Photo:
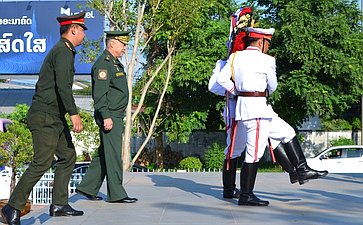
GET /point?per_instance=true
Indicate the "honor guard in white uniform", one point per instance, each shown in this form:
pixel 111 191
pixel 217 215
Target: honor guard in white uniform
pixel 235 141
pixel 255 78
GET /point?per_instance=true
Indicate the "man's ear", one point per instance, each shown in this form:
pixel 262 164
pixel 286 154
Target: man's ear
pixel 74 29
pixel 260 43
pixel 112 44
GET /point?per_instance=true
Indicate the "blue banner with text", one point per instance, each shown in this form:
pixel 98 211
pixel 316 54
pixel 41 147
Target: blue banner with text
pixel 28 30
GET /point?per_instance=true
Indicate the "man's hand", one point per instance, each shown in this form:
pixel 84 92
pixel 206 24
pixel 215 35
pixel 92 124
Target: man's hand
pixel 77 123
pixel 107 124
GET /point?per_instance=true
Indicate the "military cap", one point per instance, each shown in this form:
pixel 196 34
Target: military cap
pixel 122 36
pixel 73 19
pixel 260 33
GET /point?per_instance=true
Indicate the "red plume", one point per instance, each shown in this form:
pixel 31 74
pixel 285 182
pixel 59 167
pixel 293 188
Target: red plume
pixel 245 10
pixel 240 42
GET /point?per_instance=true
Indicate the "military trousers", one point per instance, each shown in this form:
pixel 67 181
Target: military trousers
pixel 107 163
pixel 51 137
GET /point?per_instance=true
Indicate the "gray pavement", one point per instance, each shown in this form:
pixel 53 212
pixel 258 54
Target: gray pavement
pixel 196 199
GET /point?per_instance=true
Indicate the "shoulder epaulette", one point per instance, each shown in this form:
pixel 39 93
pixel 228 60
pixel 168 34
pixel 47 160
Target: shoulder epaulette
pixel 68 46
pixel 107 58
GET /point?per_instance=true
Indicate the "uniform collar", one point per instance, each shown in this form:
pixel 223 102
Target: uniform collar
pixel 69 45
pixel 253 48
pixel 111 57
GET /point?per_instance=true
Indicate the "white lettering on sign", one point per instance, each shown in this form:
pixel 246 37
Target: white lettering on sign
pixel 18 45
pixel 16 21
pixel 88 15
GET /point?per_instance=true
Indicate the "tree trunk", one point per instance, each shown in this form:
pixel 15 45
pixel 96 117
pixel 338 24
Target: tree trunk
pixel 159 151
pixel 13 177
pixel 126 148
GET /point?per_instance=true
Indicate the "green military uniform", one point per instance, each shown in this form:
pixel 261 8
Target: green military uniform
pixel 110 95
pixel 52 100
pixel 50 133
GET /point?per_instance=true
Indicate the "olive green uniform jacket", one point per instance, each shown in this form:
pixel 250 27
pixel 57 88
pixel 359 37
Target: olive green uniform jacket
pixel 52 100
pixel 110 94
pixel 54 87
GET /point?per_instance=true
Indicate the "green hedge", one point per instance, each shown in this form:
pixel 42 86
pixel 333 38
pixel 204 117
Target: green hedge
pixel 190 163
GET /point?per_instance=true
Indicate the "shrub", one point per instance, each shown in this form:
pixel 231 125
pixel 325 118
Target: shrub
pixel 89 139
pixel 190 163
pixel 342 141
pixel 356 124
pixel 214 156
pixel 337 124
pixel 19 114
pixel 16 149
pixel 152 166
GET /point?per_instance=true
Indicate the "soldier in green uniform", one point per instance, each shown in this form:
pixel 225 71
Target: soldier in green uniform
pixel 50 133
pixel 110 94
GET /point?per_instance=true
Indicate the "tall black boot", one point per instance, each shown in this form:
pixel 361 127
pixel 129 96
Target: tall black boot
pixel 229 179
pixel 248 177
pixel 297 158
pixel 285 163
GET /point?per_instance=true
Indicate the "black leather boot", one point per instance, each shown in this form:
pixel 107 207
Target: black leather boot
pixel 297 158
pixel 10 215
pixel 63 210
pixel 248 177
pixel 229 179
pixel 285 163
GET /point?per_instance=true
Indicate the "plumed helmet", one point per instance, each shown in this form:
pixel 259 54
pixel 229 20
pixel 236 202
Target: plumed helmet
pixel 241 20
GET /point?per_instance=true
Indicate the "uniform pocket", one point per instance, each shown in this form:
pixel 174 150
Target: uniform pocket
pixel 35 119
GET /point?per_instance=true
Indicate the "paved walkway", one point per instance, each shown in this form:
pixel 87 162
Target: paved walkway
pixel 195 199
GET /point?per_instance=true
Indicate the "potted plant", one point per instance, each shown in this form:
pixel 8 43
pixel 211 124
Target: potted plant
pixel 16 148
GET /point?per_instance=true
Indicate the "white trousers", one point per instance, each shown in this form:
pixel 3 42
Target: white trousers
pixel 259 130
pixel 239 134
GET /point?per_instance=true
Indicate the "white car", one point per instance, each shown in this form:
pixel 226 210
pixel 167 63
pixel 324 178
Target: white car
pixel 339 159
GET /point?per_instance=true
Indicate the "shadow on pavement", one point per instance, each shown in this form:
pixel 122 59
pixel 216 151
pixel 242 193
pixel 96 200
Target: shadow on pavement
pixel 186 185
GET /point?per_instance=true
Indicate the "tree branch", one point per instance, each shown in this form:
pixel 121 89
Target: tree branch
pixel 158 107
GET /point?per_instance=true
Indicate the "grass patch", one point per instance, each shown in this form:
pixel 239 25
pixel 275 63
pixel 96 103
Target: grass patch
pixel 269 167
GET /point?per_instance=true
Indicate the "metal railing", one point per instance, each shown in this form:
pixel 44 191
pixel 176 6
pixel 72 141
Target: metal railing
pixel 42 191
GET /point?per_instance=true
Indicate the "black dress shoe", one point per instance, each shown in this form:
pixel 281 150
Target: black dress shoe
pixel 90 197
pixel 63 210
pixel 251 200
pixel 10 215
pixel 126 200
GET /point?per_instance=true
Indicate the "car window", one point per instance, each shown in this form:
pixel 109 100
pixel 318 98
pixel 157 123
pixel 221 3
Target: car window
pixel 351 153
pixel 336 153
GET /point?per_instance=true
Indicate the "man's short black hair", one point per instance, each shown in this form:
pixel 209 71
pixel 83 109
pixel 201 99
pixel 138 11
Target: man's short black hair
pixel 250 40
pixel 64 29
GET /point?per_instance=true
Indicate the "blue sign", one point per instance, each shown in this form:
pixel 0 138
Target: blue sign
pixel 28 30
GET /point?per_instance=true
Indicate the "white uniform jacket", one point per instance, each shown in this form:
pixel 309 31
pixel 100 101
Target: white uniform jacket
pixel 213 86
pixel 253 71
pixel 216 88
pixel 228 113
